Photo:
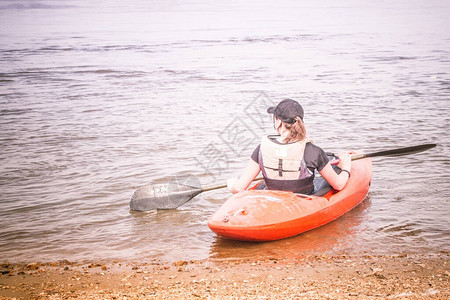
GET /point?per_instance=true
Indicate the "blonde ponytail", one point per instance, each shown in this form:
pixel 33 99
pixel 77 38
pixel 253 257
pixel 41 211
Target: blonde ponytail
pixel 297 131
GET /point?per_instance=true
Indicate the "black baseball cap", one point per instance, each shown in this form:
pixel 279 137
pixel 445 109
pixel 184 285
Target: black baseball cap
pixel 287 110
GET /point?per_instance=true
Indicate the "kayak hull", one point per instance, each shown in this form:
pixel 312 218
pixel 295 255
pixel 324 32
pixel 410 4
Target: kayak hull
pixel 267 215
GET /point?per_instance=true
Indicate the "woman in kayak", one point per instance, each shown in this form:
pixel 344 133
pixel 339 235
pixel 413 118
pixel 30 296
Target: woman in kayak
pixel 288 160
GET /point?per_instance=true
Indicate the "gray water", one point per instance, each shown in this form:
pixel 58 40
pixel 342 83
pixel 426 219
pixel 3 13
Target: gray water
pixel 98 98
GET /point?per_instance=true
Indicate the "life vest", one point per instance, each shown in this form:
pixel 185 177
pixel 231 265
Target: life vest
pixel 283 165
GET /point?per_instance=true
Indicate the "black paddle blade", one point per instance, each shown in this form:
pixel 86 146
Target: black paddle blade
pixel 160 196
pixel 402 151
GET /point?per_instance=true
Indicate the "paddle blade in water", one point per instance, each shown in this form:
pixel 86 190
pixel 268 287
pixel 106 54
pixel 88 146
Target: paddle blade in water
pixel 159 196
pixel 167 195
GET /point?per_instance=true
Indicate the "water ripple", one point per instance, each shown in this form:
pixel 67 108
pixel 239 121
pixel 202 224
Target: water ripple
pixel 91 111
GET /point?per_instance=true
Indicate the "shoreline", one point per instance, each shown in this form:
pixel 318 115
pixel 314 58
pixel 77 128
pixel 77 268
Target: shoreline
pixel 412 276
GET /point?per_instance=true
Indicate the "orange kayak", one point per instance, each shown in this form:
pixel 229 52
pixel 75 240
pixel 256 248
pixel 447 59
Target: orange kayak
pixel 267 215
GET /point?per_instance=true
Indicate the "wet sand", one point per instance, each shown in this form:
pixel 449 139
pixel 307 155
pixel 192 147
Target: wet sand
pixel 409 276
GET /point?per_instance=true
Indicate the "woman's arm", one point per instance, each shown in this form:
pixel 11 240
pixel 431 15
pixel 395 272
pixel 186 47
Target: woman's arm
pixel 338 181
pixel 240 183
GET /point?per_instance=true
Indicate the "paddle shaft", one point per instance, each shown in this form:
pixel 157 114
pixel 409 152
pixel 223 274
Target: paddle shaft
pixel 219 186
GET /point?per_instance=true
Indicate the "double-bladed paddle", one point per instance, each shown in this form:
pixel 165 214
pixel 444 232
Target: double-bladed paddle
pixel 177 192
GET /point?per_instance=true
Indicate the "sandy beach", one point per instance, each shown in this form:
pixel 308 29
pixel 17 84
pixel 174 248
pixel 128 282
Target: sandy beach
pixel 410 276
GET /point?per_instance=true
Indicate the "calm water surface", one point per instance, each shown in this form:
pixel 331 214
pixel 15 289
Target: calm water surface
pixel 100 98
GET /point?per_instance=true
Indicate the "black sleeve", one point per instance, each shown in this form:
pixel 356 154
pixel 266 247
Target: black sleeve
pixel 315 157
pixel 255 154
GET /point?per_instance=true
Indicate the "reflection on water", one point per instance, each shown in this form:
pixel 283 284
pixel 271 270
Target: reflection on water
pixel 333 237
pixel 97 100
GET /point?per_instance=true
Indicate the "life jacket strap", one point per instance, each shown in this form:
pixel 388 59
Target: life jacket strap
pixel 280 167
